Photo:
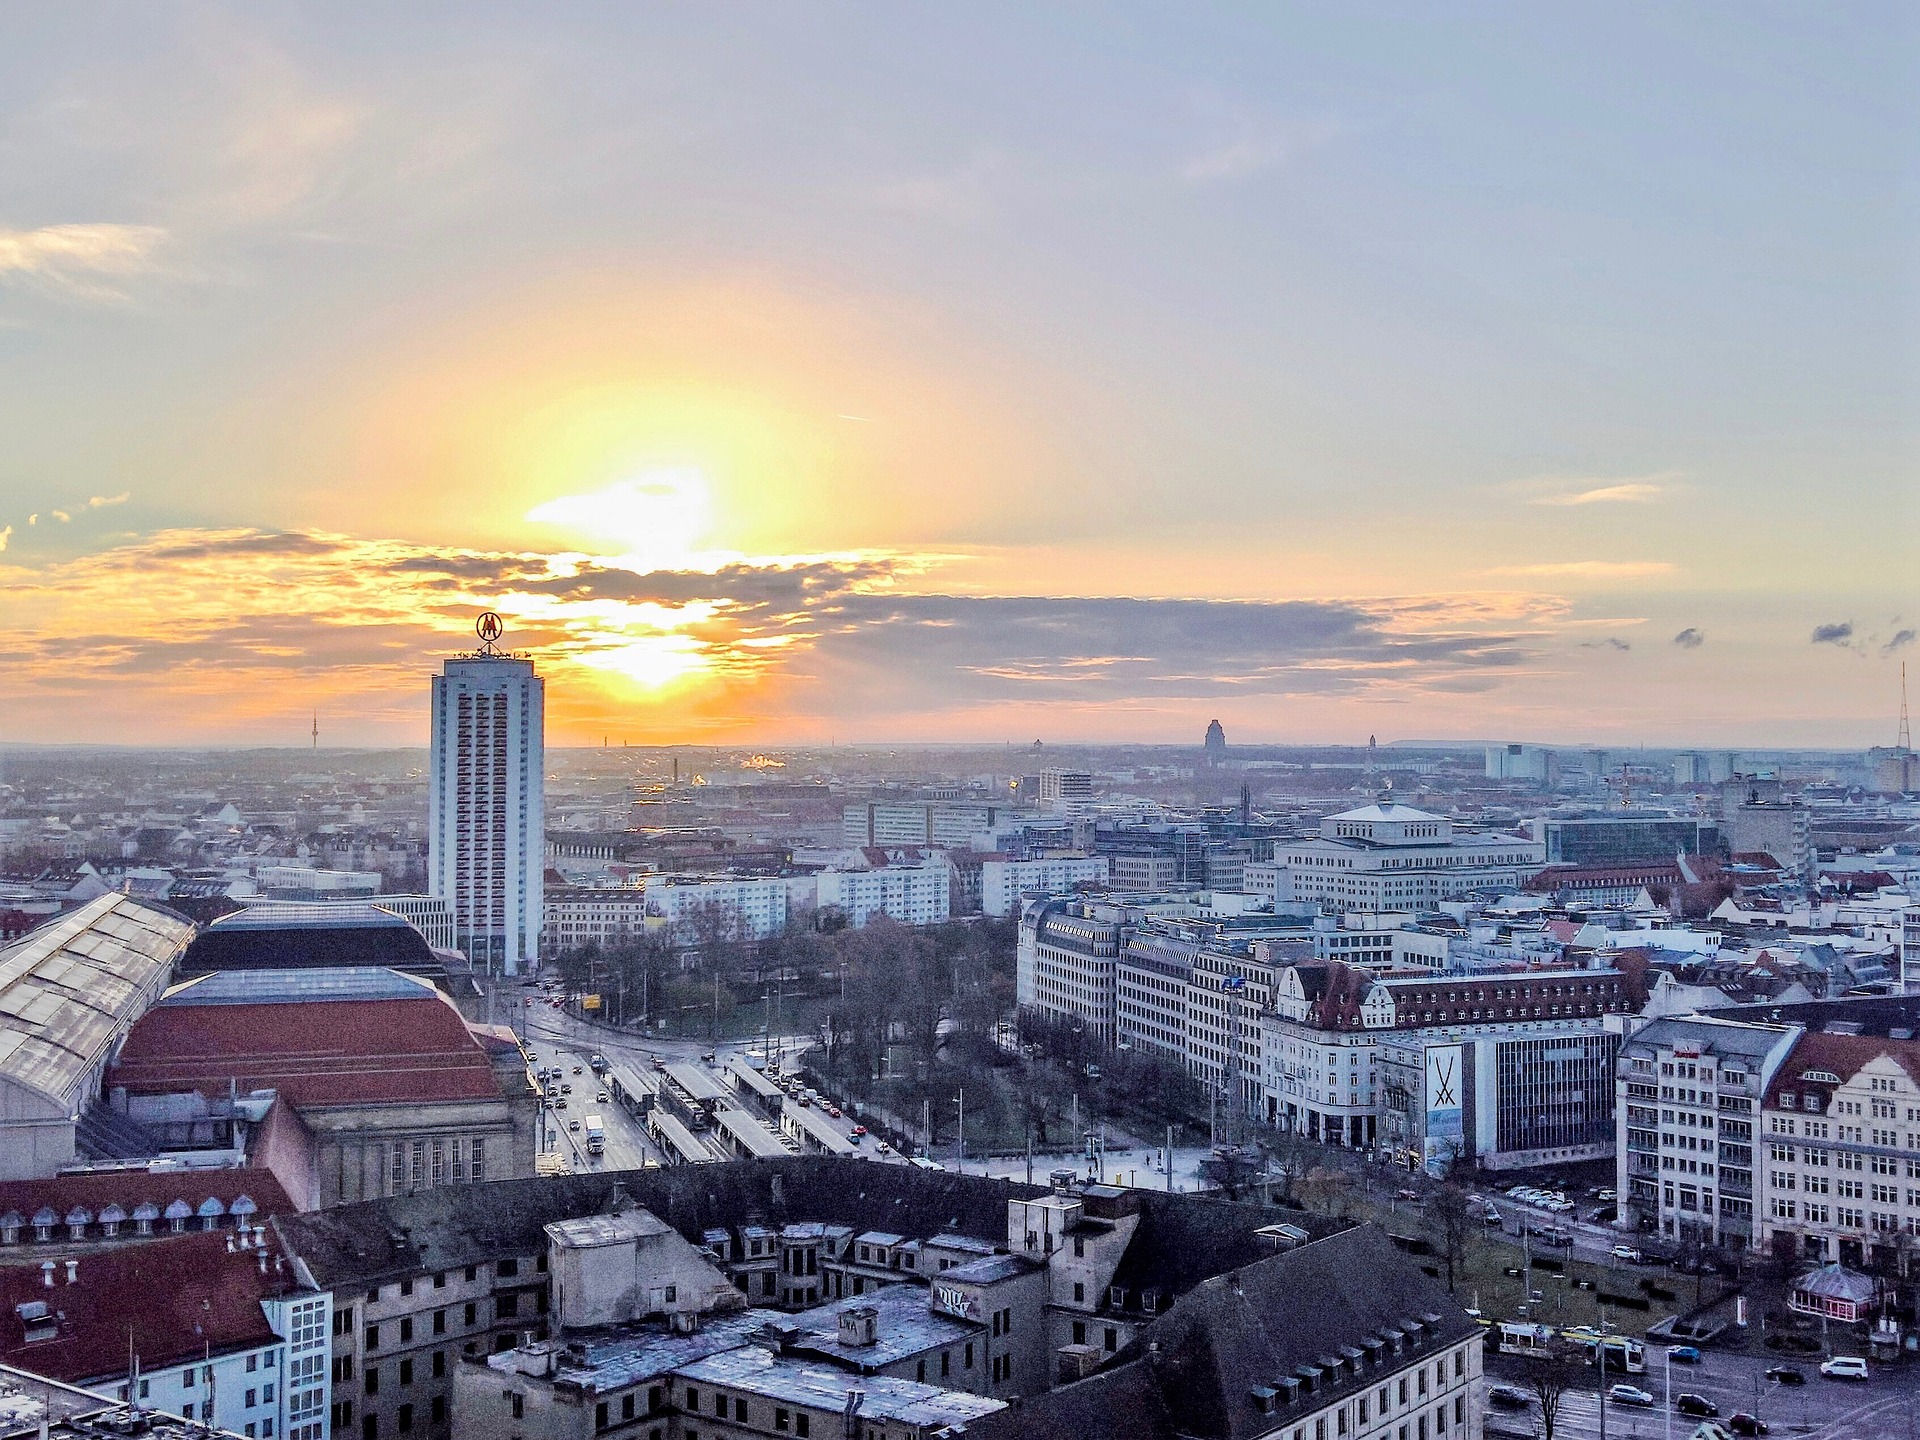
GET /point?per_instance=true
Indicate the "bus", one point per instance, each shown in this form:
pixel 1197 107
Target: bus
pixel 1625 1355
pixel 1518 1337
pixel 596 1135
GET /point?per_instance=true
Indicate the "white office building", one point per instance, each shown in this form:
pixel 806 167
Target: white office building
pixel 913 894
pixel 486 808
pixel 698 908
pixel 1393 857
pixel 1003 881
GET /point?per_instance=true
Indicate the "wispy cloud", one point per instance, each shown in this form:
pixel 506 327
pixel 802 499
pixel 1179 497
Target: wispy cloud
pixel 1590 569
pixel 1630 492
pixel 81 262
pixel 101 502
pixel 6 535
pixel 1900 641
pixel 1691 638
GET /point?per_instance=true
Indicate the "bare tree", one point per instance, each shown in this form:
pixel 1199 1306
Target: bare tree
pixel 1549 1378
pixel 1327 1189
pixel 1451 1217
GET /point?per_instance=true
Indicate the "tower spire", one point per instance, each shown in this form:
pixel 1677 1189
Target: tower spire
pixel 316 729
pixel 1906 729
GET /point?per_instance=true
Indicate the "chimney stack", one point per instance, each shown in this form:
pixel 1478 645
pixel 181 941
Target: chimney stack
pixel 46 1273
pixel 73 1271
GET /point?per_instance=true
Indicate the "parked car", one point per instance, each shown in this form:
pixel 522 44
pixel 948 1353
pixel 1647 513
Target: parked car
pixel 1492 1217
pixel 573 1124
pixel 1629 1395
pixel 1684 1354
pixel 857 1131
pixel 834 1111
pixel 1845 1367
pixel 1626 1253
pixel 1787 1375
pixel 1604 1193
pixel 601 1098
pixel 883 1147
pixel 1698 1406
pixel 1742 1423
pixel 707 1056
pixel 1406 1194
pixel 576 1069
pixel 566 1089
pixel 1509 1397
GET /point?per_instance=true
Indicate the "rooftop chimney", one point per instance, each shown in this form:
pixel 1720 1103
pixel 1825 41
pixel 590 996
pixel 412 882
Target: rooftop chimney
pixel 46 1273
pixel 73 1271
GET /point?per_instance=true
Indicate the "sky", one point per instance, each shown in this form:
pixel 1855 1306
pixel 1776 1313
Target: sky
pixel 790 373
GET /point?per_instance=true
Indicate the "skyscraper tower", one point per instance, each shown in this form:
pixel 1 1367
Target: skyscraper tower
pixel 486 832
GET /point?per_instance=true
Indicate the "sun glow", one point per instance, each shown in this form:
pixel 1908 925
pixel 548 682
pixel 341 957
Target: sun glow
pixel 653 521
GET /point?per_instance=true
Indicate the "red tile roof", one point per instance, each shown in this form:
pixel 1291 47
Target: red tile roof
pixel 169 1301
pixel 320 1053
pixel 1841 1055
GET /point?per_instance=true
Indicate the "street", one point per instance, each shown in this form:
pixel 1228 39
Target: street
pixel 1882 1408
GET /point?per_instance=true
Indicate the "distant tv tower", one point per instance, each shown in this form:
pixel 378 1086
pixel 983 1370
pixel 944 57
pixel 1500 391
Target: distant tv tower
pixel 1906 729
pixel 316 729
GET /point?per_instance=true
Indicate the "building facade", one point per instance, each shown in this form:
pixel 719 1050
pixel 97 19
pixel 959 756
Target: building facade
pixel 486 805
pixel 1393 857
pixel 1004 880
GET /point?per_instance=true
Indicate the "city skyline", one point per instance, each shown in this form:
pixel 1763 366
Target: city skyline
pixel 969 377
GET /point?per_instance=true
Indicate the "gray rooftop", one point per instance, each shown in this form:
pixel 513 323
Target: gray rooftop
pixel 282 987
pixel 816 1386
pixel 906 1327
pixel 619 1356
pixel 1718 1036
pixel 69 990
pixel 992 1269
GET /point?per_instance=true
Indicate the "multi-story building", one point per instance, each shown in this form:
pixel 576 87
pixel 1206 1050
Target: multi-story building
pixel 912 891
pixel 1393 857
pixel 1622 839
pixel 698 908
pixel 1230 987
pixel 1004 880
pixel 1760 817
pixel 920 822
pixel 1143 872
pixel 578 917
pixel 1151 977
pixel 222 1329
pixel 1841 1123
pixel 486 838
pixel 1068 790
pixel 1688 1100
pixel 1064 962
pixel 431 916
pixel 1471 1054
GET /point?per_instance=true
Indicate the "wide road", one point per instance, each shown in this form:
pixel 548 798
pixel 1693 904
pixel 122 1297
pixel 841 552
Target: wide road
pixel 1881 1408
pixel 558 1038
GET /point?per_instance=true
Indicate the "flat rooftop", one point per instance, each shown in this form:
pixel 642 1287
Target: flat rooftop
pixel 798 1383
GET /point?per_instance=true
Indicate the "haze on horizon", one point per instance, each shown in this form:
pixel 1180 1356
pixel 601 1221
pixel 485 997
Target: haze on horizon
pixel 968 373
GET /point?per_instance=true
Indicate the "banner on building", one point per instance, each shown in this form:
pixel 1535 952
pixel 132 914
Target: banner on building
pixel 1445 1131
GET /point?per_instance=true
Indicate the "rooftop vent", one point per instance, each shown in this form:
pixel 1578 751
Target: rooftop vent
pixel 1843 1027
pixel 859 1325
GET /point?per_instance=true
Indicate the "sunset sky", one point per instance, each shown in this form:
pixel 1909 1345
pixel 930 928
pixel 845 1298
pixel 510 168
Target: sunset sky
pixel 877 372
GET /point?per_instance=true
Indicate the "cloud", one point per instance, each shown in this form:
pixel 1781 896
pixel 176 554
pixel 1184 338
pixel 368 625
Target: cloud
pixel 1839 634
pixel 1612 642
pixel 1690 638
pixel 101 502
pixel 1900 641
pixel 1633 492
pixel 81 262
pixel 62 516
pixel 193 621
pixel 6 534
pixel 1590 569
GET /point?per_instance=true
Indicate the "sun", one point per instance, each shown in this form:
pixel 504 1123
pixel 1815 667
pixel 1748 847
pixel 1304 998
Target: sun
pixel 651 521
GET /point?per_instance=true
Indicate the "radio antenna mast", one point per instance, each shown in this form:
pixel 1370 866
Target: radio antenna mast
pixel 1906 729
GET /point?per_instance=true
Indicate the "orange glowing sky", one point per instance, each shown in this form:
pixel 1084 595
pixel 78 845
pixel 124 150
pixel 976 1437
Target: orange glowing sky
pixel 834 377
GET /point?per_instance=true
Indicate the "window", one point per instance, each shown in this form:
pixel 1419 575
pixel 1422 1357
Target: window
pixel 373 1380
pixel 739 1410
pixel 693 1401
pixel 439 1364
pixel 782 1420
pixel 405 1421
pixel 406 1372
pixel 372 1337
pixel 516 1404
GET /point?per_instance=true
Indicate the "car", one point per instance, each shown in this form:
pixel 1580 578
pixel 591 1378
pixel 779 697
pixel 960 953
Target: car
pixel 857 1131
pixel 559 1102
pixel 1845 1367
pixel 853 1139
pixel 1698 1406
pixel 527 1001
pixel 1629 1395
pixel 601 1098
pixel 1626 1253
pixel 576 1069
pixel 1605 1193
pixel 1492 1217
pixel 1684 1354
pixel 834 1111
pixel 707 1056
pixel 1518 1192
pixel 573 1124
pixel 1509 1397
pixel 566 1089
pixel 882 1147
pixel 658 1063
pixel 1787 1375
pixel 1741 1423
pixel 1406 1194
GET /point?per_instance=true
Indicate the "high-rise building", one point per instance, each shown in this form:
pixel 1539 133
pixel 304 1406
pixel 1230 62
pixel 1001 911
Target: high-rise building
pixel 486 805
